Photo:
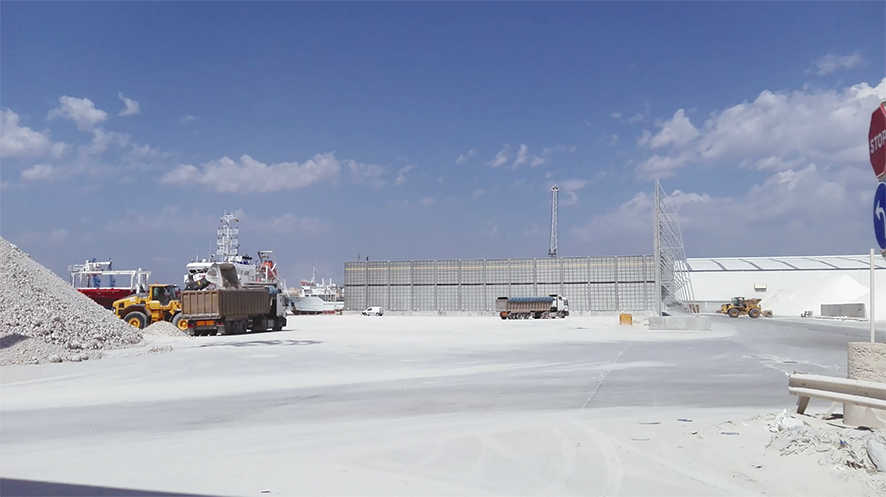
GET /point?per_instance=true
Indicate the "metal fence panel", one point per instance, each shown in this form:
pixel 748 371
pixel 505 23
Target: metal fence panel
pixel 589 283
pixel 400 273
pixel 377 272
pixel 547 270
pixel 423 298
pixel 472 298
pixel 354 298
pixel 424 272
pixel 575 269
pixel 602 297
pixel 401 297
pixel 472 271
pixel 447 271
pixel 498 271
pixel 577 295
pixel 355 273
pixel 447 298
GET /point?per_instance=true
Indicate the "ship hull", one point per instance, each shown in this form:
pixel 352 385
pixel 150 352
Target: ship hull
pixel 105 297
pixel 315 305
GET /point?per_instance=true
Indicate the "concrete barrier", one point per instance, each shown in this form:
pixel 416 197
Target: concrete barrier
pixel 680 323
pixel 867 362
pixel 841 310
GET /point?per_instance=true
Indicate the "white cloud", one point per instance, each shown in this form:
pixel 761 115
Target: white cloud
pixel 131 107
pixel 187 118
pixel 478 193
pixel 428 201
pixel 522 155
pixel 615 115
pixel 102 140
pixel 613 139
pixel 677 131
pixel 290 223
pixel 829 63
pixel 569 190
pixel 401 174
pixel 462 158
pixel 502 157
pixel 80 110
pixel 21 141
pixel 38 172
pixel 775 130
pixel 788 209
pixel 248 175
pixel 364 173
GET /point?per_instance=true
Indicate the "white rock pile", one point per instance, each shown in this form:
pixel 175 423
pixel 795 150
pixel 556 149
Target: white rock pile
pixel 840 447
pixel 44 319
pixel 164 328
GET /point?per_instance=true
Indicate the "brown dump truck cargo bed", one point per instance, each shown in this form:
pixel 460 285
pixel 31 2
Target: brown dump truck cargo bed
pixel 230 303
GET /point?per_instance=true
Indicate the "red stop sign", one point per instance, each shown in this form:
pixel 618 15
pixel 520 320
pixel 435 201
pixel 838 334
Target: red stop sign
pixel 877 141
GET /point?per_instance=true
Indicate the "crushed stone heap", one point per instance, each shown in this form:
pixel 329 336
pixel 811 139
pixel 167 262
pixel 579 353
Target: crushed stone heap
pixel 44 319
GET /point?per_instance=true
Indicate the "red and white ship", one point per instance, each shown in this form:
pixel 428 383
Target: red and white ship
pixel 100 282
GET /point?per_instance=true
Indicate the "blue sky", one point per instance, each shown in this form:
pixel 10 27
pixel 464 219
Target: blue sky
pixel 434 130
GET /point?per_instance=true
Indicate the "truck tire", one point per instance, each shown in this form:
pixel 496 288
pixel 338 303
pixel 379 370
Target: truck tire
pixel 279 322
pixel 754 313
pixel 137 319
pixel 733 312
pixel 179 322
pixel 259 324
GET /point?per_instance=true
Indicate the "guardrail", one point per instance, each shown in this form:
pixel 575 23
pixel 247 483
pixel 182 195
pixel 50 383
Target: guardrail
pixel 858 392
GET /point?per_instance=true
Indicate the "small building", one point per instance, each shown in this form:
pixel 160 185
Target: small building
pixel 790 285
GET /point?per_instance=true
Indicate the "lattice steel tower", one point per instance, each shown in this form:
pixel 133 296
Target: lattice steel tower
pixel 227 245
pixel 552 250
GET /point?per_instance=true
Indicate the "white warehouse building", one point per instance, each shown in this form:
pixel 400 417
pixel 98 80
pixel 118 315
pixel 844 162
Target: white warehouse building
pixel 790 285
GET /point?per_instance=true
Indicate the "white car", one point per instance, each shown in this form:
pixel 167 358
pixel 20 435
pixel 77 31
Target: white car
pixel 373 311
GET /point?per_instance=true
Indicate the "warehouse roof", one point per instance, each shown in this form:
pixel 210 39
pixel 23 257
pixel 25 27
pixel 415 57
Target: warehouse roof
pixel 784 263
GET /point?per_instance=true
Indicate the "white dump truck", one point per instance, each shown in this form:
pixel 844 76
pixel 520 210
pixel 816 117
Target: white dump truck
pixel 552 306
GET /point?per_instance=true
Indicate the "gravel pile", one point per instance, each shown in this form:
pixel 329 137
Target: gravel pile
pixel 44 319
pixel 164 328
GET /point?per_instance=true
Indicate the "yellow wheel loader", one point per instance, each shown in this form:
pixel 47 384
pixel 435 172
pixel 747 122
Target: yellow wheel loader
pixel 160 303
pixel 741 306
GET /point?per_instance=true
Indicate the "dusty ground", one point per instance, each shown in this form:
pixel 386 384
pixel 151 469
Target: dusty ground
pixel 404 405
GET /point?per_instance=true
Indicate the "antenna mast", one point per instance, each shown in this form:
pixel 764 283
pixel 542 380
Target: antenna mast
pixel 227 238
pixel 552 250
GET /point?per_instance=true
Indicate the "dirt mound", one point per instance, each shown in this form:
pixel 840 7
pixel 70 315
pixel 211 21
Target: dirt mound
pixel 44 318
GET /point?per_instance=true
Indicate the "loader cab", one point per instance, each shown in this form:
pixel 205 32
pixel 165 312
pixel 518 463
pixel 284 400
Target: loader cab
pixel 164 293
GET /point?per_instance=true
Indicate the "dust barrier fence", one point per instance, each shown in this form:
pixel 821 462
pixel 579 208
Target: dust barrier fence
pixel 610 283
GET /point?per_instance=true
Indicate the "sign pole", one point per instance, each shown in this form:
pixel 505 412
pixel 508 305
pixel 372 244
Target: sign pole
pixel 873 329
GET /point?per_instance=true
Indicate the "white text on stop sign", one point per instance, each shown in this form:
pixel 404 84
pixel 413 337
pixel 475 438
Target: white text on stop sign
pixel 877 141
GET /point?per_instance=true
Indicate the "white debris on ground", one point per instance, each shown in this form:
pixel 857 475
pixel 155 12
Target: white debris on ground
pixel 164 328
pixel 840 447
pixel 45 319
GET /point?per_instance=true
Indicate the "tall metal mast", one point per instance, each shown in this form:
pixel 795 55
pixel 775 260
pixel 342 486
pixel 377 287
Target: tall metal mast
pixel 227 245
pixel 552 250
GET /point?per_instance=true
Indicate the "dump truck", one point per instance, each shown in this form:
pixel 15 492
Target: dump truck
pixel 159 303
pixel 552 306
pixel 741 306
pixel 226 311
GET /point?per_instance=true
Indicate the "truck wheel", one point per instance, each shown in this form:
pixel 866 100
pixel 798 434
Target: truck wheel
pixel 733 312
pixel 279 322
pixel 754 313
pixel 137 319
pixel 179 322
